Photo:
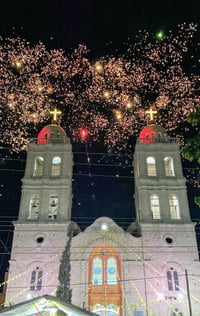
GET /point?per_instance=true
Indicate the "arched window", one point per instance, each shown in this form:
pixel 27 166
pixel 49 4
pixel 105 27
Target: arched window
pixel 56 166
pixel 53 207
pixel 169 167
pixel 173 280
pixel 174 207
pixel 155 206
pixel 38 167
pixel 109 310
pixel 34 207
pixel 36 280
pixel 104 271
pixel 151 166
pixel 97 271
pixel 111 271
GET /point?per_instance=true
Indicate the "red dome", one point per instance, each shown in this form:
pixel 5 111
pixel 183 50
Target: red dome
pixel 52 134
pixel 152 134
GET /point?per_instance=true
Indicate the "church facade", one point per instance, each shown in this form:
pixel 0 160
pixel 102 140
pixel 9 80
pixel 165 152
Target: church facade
pixel 149 270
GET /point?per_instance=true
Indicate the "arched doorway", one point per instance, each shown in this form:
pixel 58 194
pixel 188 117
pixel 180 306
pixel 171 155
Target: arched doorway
pixel 104 272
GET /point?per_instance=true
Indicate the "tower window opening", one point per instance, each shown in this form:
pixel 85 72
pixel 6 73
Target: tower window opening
pixel 38 167
pixel 169 167
pixel 173 280
pixel 56 166
pixel 53 207
pixel 36 280
pixel 34 207
pixel 174 207
pixel 155 206
pixel 151 166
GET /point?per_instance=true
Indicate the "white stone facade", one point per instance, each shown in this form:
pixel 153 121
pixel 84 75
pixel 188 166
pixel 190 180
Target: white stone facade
pixel 157 257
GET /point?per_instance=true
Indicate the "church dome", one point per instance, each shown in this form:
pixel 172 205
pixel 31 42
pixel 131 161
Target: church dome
pixel 52 133
pixel 152 134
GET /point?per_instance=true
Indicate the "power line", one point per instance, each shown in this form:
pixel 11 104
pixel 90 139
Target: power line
pixel 121 280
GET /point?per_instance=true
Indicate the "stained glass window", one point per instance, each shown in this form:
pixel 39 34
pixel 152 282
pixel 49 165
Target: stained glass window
pixel 36 280
pixel 111 271
pixel 97 275
pixel 169 280
pixel 138 313
pixel 173 280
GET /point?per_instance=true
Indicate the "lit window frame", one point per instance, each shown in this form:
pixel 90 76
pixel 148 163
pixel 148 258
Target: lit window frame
pixel 151 166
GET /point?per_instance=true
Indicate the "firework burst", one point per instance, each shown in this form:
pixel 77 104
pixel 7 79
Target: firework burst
pixel 108 98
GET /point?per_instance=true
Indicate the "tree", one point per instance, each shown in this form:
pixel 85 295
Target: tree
pixel 64 292
pixel 191 150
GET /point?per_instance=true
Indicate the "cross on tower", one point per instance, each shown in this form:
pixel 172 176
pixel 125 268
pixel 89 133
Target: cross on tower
pixel 55 113
pixel 151 113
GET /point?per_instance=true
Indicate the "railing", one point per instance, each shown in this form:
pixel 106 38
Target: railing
pixel 158 139
pixel 50 140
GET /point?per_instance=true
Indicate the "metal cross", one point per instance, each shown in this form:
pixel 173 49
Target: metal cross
pixel 55 113
pixel 151 113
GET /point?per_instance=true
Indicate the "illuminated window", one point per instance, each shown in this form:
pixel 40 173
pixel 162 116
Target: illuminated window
pixel 38 167
pixel 97 271
pixel 34 207
pixel 155 206
pixel 169 167
pixel 53 207
pixel 104 272
pixel 111 271
pixel 109 310
pixel 36 280
pixel 173 280
pixel 138 313
pixel 56 166
pixel 151 166
pixel 174 207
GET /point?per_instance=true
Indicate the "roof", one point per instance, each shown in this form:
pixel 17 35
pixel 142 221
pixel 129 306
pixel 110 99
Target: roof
pixel 52 133
pixel 152 134
pixel 42 305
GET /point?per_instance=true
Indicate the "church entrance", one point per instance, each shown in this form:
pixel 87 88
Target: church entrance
pixel 105 292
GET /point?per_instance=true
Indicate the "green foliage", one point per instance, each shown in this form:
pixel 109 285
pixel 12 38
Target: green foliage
pixel 194 117
pixel 191 150
pixel 197 200
pixel 64 292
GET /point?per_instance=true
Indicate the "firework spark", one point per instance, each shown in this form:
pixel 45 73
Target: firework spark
pixel 108 98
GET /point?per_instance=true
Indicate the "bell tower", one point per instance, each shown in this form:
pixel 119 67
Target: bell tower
pixel 40 233
pixel 160 191
pixel 46 190
pixel 167 234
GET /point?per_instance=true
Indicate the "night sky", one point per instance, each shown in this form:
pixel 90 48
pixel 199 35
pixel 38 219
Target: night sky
pixel 103 180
